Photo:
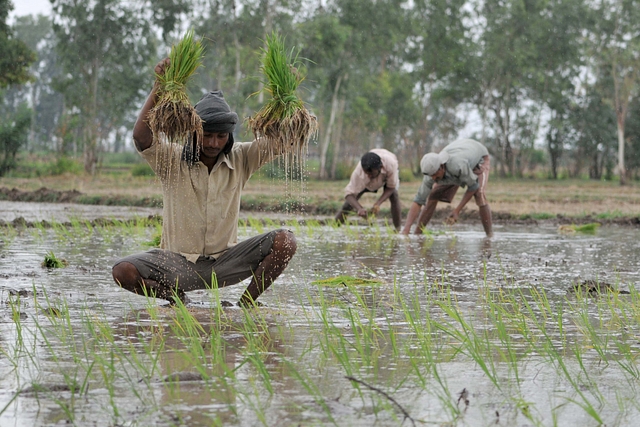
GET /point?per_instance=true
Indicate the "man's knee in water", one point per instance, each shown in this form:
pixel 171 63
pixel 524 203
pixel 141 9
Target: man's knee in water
pixel 285 241
pixel 126 275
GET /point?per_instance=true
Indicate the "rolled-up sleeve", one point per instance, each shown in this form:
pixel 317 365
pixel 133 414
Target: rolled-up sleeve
pixel 163 158
pixel 357 183
pixel 391 169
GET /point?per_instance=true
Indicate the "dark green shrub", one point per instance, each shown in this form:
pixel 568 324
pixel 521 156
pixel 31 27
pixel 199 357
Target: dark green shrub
pixel 65 165
pixel 142 169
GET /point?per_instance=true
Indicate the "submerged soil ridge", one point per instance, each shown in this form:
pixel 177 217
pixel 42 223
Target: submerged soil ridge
pixel 288 210
pixel 48 195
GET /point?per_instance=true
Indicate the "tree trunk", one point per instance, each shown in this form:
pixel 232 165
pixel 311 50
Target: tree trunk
pixel 267 30
pixel 324 147
pixel 505 145
pixel 595 172
pixel 236 42
pixel 621 168
pixel 337 137
pixel 32 127
pixel 554 145
pixel 91 135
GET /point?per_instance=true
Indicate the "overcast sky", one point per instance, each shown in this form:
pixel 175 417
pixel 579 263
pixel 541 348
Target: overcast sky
pixel 30 7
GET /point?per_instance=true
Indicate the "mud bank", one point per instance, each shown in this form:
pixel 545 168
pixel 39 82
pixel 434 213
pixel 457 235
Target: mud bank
pixel 26 207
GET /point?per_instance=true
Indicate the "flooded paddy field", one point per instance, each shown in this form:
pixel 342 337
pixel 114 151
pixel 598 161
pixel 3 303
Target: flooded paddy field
pixel 460 330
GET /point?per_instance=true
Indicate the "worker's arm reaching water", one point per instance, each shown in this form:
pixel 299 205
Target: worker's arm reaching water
pixel 463 163
pixel 377 169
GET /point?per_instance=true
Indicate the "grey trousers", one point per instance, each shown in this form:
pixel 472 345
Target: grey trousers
pixel 172 271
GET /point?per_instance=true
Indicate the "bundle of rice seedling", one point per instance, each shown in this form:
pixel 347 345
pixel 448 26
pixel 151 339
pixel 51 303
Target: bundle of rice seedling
pixel 585 228
pixel 173 115
pixel 284 118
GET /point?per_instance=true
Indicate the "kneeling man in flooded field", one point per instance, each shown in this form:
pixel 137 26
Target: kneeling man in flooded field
pixel 201 184
pixel 464 162
pixel 377 169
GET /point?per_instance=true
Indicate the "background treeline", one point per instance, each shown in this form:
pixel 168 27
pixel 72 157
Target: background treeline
pixel 550 86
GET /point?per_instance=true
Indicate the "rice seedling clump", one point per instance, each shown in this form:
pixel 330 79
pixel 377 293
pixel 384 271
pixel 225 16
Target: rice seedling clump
pixel 173 117
pixel 585 228
pixel 284 118
pixel 52 261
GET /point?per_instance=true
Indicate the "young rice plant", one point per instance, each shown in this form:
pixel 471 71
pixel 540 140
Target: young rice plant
pixel 173 115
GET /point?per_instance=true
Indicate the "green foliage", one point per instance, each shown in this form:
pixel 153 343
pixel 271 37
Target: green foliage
pixel 277 170
pixel 343 171
pixel 589 228
pixel 64 165
pixel 52 261
pixel 15 56
pixel 32 165
pixel 142 169
pixel 406 175
pixel 537 216
pixel 47 104
pixel 13 134
pixel 103 49
pixel 166 14
pixel 122 158
pixel 404 75
pixel 155 240
pixel 594 124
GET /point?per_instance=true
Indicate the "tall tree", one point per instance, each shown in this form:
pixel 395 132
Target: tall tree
pixel 561 51
pixel 234 32
pixel 325 42
pixel 104 48
pixel 15 59
pixel 14 124
pixel 594 122
pixel 512 64
pixel 15 56
pixel 167 15
pixel 632 135
pixel 380 107
pixel 440 52
pixel 616 38
pixel 47 104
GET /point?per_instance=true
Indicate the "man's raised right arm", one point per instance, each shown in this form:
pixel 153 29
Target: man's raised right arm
pixel 142 135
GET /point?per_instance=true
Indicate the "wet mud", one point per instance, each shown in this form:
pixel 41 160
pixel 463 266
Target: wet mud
pixel 294 361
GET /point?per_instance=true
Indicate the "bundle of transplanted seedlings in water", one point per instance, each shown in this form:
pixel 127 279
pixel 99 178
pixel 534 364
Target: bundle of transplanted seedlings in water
pixel 283 119
pixel 173 118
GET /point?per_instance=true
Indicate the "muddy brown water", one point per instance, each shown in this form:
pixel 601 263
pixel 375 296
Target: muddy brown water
pixel 517 257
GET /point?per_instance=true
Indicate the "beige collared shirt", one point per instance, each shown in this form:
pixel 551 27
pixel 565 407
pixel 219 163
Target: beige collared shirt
pixel 388 175
pixel 200 212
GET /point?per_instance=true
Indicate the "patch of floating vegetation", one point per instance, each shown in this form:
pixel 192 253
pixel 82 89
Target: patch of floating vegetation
pixel 52 261
pixel 346 280
pixel 589 228
pixel 155 240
